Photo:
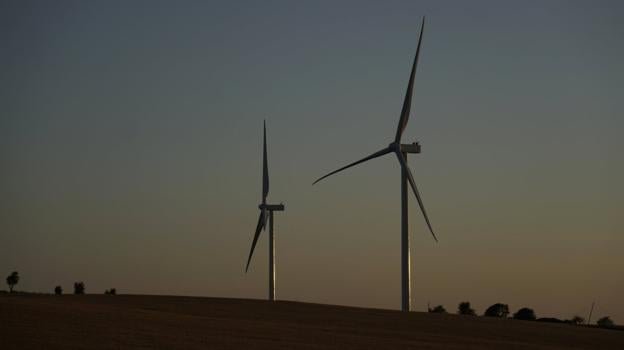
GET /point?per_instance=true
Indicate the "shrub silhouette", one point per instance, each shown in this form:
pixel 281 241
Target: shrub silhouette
pixel 111 291
pixel 605 322
pixel 465 309
pixel 58 290
pixel 497 310
pixel 79 288
pixel 577 320
pixel 525 314
pixel 438 310
pixel 12 280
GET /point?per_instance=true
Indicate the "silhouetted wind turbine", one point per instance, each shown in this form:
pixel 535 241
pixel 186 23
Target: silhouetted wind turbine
pixel 401 151
pixel 266 212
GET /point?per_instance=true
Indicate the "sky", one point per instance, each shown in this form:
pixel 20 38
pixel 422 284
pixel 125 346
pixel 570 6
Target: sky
pixel 131 133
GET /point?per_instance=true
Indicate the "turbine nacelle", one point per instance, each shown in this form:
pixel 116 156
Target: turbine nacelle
pixel 273 207
pixel 413 147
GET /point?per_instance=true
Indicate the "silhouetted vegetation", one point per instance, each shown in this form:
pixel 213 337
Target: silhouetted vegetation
pixel 79 288
pixel 551 320
pixel 58 290
pixel 525 314
pixel 497 310
pixel 438 309
pixel 12 280
pixel 465 309
pixel 577 320
pixel 111 291
pixel 605 322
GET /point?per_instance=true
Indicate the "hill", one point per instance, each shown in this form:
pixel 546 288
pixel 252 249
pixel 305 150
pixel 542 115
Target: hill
pixel 171 322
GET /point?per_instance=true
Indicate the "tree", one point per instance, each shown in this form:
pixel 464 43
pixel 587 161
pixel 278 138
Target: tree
pixel 111 291
pixel 79 288
pixel 577 320
pixel 12 280
pixel 497 310
pixel 465 309
pixel 438 310
pixel 58 290
pixel 525 314
pixel 605 322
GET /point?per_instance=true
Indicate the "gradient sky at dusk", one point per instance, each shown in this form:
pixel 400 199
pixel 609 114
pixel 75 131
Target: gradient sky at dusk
pixel 130 149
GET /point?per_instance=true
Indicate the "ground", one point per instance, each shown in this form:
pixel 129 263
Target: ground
pixel 172 322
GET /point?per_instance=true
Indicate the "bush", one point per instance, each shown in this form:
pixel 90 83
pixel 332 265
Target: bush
pixel 605 322
pixel 79 288
pixel 577 320
pixel 12 280
pixel 465 309
pixel 438 310
pixel 525 314
pixel 58 290
pixel 111 291
pixel 497 310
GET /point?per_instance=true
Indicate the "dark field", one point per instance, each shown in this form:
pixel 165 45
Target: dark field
pixel 163 322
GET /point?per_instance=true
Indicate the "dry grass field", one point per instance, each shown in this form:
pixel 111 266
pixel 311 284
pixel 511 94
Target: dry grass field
pixel 167 322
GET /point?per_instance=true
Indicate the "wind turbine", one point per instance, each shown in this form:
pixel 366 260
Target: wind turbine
pixel 266 213
pixel 401 151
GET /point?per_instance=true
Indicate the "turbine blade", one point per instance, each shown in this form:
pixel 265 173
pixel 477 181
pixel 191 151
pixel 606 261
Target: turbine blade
pixel 259 226
pixel 412 183
pixel 372 156
pixel 407 102
pixel 265 170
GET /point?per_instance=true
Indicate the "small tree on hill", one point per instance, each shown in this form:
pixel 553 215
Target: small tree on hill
pixel 438 310
pixel 12 280
pixel 79 288
pixel 58 290
pixel 525 314
pixel 111 291
pixel 497 310
pixel 577 320
pixel 605 322
pixel 465 309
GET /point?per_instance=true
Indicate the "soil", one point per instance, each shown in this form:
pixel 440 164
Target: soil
pixel 30 321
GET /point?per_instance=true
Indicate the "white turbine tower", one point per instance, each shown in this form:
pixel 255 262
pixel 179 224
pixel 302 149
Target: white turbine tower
pixel 266 213
pixel 401 151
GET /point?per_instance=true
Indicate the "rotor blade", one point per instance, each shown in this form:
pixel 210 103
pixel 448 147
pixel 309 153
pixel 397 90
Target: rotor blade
pixel 261 220
pixel 407 102
pixel 374 155
pixel 410 178
pixel 265 170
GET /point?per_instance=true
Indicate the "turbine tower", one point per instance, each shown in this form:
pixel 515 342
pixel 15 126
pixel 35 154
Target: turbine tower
pixel 266 213
pixel 401 151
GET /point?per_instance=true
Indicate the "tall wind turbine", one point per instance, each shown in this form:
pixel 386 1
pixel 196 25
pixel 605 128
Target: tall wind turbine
pixel 266 213
pixel 401 151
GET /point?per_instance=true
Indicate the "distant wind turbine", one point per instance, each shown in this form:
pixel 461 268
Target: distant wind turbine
pixel 266 213
pixel 401 151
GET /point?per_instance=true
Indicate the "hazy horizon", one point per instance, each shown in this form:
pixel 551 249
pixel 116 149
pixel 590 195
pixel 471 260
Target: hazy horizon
pixel 131 133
